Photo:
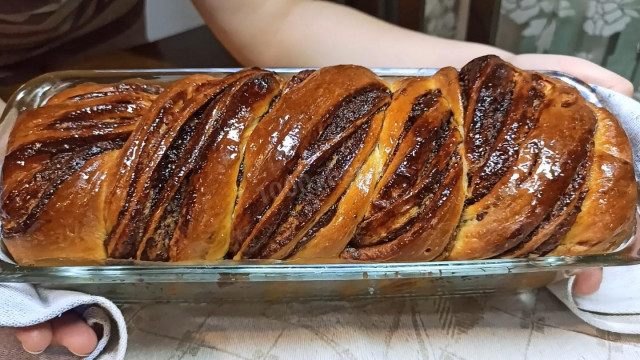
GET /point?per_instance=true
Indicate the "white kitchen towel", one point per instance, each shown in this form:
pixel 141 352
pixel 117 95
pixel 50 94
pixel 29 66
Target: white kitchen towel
pixel 614 307
pixel 24 305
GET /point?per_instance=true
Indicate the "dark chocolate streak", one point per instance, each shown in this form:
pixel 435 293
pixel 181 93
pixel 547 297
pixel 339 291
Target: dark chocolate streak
pixel 489 115
pixel 120 88
pixel 157 246
pixel 323 221
pixel 440 187
pixel 427 184
pixel 347 112
pixel 506 148
pixel 450 242
pixel 342 116
pixel 575 191
pixel 251 91
pixel 469 75
pixel 418 167
pixel 175 164
pixel 85 118
pixel 420 107
pixel 315 189
pixel 160 204
pixel 64 145
pixel 27 200
pixel 84 126
pixel 563 228
pixel 127 247
pixel 424 197
pixel 416 162
pixel 176 159
pixel 241 168
pixel 297 79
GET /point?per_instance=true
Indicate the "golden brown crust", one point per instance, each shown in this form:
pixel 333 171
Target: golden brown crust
pixel 548 154
pixel 96 91
pixel 71 225
pixel 489 162
pixel 52 157
pixel 295 171
pixel 417 202
pixel 137 186
pixel 181 128
pixel 607 214
pixel 204 228
pixel 330 241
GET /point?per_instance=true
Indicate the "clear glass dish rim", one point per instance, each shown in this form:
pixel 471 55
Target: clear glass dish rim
pixel 225 270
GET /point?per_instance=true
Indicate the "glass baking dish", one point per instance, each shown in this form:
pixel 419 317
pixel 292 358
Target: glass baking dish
pixel 225 280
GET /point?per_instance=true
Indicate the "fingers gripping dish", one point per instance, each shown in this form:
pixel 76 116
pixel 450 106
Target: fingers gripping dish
pixel 491 161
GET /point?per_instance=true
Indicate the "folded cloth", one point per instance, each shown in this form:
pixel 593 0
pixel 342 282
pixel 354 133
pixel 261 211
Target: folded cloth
pixel 615 307
pixel 24 305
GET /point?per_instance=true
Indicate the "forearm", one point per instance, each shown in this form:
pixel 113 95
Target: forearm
pixel 299 33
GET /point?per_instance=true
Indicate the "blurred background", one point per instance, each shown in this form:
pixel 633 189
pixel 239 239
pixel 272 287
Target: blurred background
pixel 111 34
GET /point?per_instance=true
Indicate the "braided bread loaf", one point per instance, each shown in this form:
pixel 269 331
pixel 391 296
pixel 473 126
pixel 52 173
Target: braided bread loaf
pixel 489 162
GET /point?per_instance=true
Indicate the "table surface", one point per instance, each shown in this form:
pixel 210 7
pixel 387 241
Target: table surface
pixel 531 325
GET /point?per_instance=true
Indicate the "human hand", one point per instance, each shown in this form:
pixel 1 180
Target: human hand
pixel 580 68
pixel 68 330
pixel 587 281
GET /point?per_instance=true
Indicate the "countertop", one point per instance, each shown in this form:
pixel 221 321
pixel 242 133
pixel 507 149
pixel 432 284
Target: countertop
pixel 530 325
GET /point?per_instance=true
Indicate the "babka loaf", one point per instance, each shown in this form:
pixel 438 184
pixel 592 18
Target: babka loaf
pixel 334 163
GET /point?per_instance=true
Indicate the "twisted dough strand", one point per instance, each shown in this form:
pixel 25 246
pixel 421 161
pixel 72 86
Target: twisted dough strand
pixel 334 163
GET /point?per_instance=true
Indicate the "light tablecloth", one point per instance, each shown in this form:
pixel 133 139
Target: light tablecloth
pixel 532 325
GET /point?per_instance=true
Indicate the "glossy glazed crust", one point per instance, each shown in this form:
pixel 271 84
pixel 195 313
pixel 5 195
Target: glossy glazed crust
pixel 607 214
pixel 417 202
pixel 204 226
pixel 161 163
pixel 489 162
pixel 518 145
pixel 71 225
pixel 58 158
pixel 143 187
pixel 303 156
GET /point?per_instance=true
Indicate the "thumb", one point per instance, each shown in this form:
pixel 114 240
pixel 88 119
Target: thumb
pixel 587 281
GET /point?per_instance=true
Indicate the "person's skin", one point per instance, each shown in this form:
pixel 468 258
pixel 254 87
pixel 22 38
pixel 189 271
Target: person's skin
pixel 305 33
pixel 68 330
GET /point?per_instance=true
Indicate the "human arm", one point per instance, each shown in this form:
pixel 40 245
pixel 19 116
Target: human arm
pixel 305 33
